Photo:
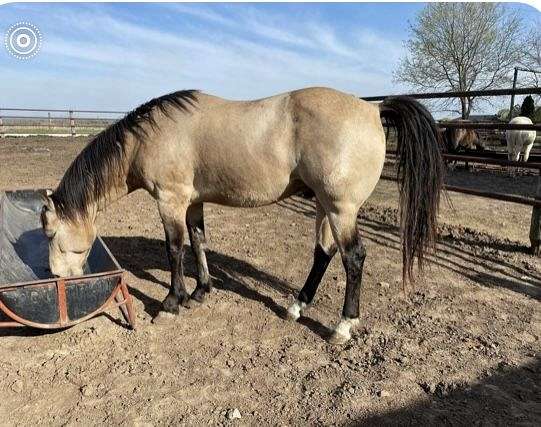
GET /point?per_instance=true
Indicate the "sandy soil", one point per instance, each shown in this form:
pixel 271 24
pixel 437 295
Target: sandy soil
pixel 461 348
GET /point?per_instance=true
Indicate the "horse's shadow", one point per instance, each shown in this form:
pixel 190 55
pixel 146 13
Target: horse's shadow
pixel 460 254
pixel 140 254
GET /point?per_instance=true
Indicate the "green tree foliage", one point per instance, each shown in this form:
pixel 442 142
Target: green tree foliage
pixel 536 118
pixel 528 107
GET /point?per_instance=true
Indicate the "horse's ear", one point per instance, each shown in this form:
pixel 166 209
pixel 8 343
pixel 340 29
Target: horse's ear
pixel 49 222
pixel 49 219
pixel 47 200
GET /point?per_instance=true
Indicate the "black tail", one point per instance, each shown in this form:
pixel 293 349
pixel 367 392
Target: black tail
pixel 420 176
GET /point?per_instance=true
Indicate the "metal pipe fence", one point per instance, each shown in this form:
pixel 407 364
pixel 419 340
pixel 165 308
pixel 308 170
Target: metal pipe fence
pixel 488 125
pixel 51 110
pixel 14 121
pixel 485 160
pixel 72 122
pixel 513 198
pixel 464 94
pixel 535 200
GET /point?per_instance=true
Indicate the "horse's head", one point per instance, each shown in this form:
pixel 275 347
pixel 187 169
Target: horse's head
pixel 70 240
pixel 470 139
pixel 449 140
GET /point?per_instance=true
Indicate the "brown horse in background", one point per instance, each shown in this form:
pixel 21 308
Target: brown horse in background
pixel 457 140
pixel 188 148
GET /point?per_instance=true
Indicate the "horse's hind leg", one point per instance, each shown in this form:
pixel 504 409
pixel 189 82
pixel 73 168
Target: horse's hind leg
pixel 527 150
pixel 515 156
pixel 196 231
pixel 323 254
pixel 174 225
pixel 343 220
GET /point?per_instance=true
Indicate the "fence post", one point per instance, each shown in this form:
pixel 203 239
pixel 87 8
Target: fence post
pixel 535 224
pixel 72 125
pixel 1 127
pixel 515 75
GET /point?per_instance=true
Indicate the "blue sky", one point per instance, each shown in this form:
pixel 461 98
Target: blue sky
pixel 116 56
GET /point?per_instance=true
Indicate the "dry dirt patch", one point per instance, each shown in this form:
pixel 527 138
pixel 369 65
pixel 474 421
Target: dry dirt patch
pixel 462 347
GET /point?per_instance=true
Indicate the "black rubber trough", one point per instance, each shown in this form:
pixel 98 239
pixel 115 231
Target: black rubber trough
pixel 29 295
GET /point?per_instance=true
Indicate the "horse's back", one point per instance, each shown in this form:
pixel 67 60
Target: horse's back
pixel 251 153
pixel 287 128
pixel 520 137
pixel 521 120
pixel 242 152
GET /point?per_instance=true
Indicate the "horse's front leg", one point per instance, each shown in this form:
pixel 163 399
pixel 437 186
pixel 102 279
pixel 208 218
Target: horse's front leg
pixel 198 241
pixel 173 219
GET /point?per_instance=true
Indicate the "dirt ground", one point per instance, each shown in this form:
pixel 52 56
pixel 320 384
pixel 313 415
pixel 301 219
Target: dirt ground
pixel 461 348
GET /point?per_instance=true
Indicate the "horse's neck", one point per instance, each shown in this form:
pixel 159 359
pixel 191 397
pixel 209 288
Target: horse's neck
pixel 126 184
pixel 114 194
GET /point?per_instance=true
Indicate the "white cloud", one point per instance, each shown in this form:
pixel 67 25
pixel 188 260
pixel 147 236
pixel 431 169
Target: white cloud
pixel 246 55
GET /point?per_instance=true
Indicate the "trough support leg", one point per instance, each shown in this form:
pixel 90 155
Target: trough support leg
pixel 124 298
pixel 535 224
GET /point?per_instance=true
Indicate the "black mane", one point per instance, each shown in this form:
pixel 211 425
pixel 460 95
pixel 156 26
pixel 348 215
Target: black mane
pixel 100 165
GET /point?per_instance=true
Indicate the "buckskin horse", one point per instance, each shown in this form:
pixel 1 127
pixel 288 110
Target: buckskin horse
pixel 188 148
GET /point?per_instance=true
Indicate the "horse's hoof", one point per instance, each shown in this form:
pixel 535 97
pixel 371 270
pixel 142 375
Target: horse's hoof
pixel 192 304
pixel 185 301
pixel 337 338
pixel 162 318
pixel 295 310
pixel 171 304
pixel 342 332
pixel 291 316
pixel 198 295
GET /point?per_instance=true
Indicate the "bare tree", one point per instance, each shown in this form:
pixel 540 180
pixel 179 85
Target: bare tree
pixel 531 53
pixel 460 47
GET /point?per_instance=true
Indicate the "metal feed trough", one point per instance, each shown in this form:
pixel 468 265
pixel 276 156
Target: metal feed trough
pixel 29 296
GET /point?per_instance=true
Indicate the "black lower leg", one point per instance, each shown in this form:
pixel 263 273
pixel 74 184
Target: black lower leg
pixel 321 262
pixel 353 258
pixel 197 241
pixel 177 292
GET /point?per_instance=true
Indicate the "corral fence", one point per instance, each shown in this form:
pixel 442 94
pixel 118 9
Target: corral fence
pixel 488 158
pixel 54 122
pixel 72 123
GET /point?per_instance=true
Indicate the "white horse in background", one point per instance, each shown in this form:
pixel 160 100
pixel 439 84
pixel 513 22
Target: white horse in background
pixel 520 141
